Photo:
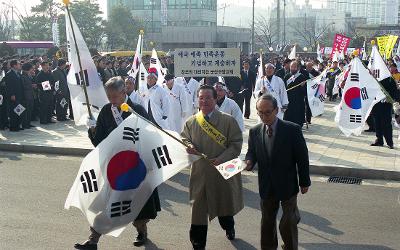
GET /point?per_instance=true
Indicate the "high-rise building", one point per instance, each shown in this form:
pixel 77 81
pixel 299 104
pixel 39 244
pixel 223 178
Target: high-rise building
pixel 383 12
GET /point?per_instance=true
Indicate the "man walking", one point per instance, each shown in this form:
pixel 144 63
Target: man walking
pixel 281 152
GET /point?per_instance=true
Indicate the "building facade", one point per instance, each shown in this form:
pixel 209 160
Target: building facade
pixel 174 24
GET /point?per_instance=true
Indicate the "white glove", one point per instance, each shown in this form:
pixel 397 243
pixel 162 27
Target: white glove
pixel 396 108
pixel 90 123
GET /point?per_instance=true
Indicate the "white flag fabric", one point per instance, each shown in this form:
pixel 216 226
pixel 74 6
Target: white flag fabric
pixel 341 55
pixel 1 99
pixel 63 102
pixel 316 93
pixel 335 57
pixel 319 56
pixel 57 85
pixel 116 179
pixel 361 92
pixel 155 63
pixel 95 89
pixel 364 55
pixel 292 54
pixel 19 109
pixel 230 168
pixel 260 72
pixel 377 66
pixel 137 60
pixel 143 80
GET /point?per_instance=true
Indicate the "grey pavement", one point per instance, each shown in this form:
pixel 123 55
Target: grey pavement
pixel 334 216
pixel 331 153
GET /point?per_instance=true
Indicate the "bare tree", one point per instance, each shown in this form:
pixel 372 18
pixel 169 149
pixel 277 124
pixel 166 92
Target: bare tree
pixel 5 26
pixel 265 32
pixel 307 31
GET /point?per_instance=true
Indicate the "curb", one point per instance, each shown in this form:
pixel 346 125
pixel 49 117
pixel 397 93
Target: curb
pixel 315 169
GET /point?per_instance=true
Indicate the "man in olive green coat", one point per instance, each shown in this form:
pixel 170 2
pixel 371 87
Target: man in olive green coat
pixel 210 194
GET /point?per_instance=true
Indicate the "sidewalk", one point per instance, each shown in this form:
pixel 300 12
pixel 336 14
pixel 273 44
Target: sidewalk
pixel 331 153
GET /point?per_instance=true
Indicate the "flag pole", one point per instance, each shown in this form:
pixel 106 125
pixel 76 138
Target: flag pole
pixel 66 2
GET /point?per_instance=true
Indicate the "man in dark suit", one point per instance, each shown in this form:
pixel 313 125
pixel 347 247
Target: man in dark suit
pixel 234 85
pixel 281 152
pixel 61 89
pixel 285 69
pixel 46 95
pixel 248 83
pixel 15 94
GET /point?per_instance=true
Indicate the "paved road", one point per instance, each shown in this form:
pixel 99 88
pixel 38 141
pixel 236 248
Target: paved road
pixel 334 216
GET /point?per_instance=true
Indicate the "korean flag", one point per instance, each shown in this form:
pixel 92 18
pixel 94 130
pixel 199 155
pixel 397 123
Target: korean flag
pixel 46 86
pixel 19 109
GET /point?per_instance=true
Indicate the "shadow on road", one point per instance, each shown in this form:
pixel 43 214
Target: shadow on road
pixel 319 223
pixel 241 244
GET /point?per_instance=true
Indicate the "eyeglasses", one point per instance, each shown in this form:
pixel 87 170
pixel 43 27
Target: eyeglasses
pixel 266 113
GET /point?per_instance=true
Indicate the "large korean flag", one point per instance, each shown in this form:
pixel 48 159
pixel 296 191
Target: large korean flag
pixel 377 66
pixel 316 94
pixel 360 94
pixel 155 63
pixel 76 78
pixel 116 179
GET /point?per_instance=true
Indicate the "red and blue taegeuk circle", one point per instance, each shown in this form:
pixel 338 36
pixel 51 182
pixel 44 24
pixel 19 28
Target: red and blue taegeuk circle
pixel 352 98
pixel 126 171
pixel 230 168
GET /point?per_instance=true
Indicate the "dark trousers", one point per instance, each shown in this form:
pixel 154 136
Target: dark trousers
pixel 4 114
pixel 287 225
pixel 27 115
pixel 308 111
pixel 382 113
pixel 198 233
pixel 61 112
pixel 247 98
pixel 370 122
pixel 15 119
pixel 46 107
pixel 238 98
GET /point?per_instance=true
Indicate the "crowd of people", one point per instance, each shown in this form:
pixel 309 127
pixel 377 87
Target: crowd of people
pixel 40 87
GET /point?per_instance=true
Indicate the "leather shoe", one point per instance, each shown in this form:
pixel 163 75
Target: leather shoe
pixel 390 146
pixel 369 130
pixel 86 246
pixel 377 144
pixel 141 239
pixel 230 234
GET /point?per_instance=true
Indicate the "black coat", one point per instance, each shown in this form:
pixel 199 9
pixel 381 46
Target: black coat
pixel 296 108
pixel 288 167
pixel 14 86
pixel 42 77
pixel 281 73
pixel 233 83
pixel 248 80
pixel 105 125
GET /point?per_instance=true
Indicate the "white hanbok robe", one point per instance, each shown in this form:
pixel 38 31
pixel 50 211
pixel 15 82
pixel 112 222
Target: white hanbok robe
pixel 191 88
pixel 157 98
pixel 276 88
pixel 135 97
pixel 179 108
pixel 230 107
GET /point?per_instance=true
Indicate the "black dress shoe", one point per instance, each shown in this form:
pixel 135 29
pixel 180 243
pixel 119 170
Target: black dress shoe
pixel 31 126
pixel 86 246
pixel 230 234
pixel 377 144
pixel 369 130
pixel 14 129
pixel 390 146
pixel 141 239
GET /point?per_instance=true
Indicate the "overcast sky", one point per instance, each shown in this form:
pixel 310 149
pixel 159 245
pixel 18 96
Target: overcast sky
pixel 23 5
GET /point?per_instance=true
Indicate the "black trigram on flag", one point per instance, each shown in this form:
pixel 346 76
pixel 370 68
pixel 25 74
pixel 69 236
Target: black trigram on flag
pixel 161 156
pixel 355 118
pixel 322 98
pixel 82 78
pixel 364 93
pixel 120 208
pixel 142 76
pixel 89 181
pixel 376 73
pixel 131 134
pixel 315 86
pixel 354 77
pixel 153 61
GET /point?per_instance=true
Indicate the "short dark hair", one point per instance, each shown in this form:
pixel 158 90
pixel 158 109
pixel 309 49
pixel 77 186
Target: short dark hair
pixel 27 66
pixel 61 62
pixel 205 87
pixel 268 97
pixel 44 62
pixel 13 63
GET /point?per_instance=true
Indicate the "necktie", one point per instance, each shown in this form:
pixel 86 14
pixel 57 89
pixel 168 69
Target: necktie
pixel 269 132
